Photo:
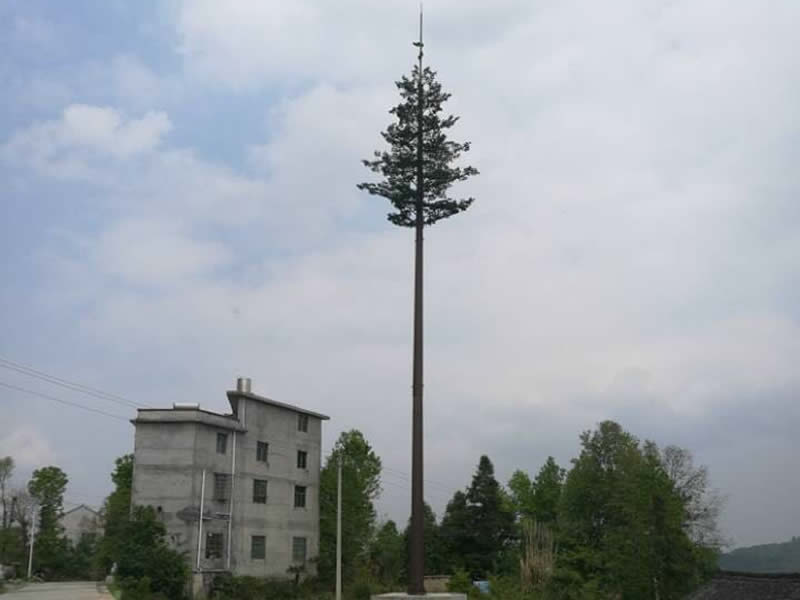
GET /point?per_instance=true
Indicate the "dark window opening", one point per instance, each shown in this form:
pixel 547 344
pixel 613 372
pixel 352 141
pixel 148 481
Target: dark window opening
pixel 299 496
pixel 258 547
pixel 302 459
pixel 262 451
pixel 260 491
pixel 299 550
pixel 302 423
pixel 222 443
pixel 213 545
pixel 222 486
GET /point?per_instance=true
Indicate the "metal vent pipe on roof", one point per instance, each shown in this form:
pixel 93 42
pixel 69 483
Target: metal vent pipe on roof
pixel 243 384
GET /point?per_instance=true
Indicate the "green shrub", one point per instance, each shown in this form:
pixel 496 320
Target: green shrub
pixel 361 591
pixel 144 552
pixel 460 582
pixel 136 588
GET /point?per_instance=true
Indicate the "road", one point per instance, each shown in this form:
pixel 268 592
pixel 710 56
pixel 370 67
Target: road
pixel 67 590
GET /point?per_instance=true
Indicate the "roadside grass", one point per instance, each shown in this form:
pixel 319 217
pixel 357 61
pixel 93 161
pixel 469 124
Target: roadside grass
pixel 114 590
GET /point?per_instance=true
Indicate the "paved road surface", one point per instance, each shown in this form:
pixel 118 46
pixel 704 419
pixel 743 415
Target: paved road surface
pixel 73 590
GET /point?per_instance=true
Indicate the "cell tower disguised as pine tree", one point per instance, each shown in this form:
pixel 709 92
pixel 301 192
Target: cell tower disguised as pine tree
pixel 418 170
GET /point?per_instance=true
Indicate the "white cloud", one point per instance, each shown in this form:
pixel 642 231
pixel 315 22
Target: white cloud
pixel 28 446
pixel 155 253
pixel 60 147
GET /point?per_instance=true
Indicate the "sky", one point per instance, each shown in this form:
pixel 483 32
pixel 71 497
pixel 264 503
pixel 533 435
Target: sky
pixel 178 208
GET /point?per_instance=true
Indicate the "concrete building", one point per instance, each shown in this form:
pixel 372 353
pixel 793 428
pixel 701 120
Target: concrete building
pixel 79 521
pixel 253 474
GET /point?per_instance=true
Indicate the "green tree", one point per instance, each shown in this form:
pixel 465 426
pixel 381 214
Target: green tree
pixel 388 554
pixel 47 487
pixel 435 560
pixel 417 172
pixel 81 557
pixel 361 471
pixel 478 526
pixel 547 491
pixel 144 553
pixel 455 532
pixel 522 493
pixel 116 513
pixel 620 523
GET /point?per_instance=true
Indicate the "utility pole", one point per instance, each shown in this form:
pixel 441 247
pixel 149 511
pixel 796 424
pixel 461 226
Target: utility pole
pixel 339 531
pixel 33 537
pixel 416 582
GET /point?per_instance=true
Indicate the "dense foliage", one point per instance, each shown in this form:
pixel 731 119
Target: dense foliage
pixel 419 108
pixel 361 470
pixel 143 552
pixel 116 513
pixel 47 487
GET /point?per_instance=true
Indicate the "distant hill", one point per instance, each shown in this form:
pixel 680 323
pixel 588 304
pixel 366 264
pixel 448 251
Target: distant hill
pixel 766 558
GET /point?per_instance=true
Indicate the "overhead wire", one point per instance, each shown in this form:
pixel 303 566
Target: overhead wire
pixel 71 385
pixel 61 401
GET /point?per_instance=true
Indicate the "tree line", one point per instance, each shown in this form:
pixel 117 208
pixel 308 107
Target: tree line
pixel 627 519
pixel 133 539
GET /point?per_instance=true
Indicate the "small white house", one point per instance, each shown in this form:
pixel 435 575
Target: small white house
pixel 80 520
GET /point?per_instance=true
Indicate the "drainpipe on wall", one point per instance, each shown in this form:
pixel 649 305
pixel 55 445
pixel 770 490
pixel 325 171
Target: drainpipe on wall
pixel 230 506
pixel 200 526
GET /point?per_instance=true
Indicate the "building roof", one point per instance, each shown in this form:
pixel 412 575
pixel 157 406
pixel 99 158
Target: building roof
pixel 728 585
pixel 233 395
pixel 187 415
pixel 83 506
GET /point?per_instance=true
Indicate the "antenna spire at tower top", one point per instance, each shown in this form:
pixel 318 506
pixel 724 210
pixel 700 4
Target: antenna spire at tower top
pixel 420 43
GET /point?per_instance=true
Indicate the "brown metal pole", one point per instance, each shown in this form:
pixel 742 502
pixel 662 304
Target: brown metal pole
pixel 416 582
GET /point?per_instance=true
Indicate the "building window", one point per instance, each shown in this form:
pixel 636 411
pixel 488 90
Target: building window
pixel 262 451
pixel 222 443
pixel 258 547
pixel 302 459
pixel 260 491
pixel 222 486
pixel 213 545
pixel 299 496
pixel 302 423
pixel 299 550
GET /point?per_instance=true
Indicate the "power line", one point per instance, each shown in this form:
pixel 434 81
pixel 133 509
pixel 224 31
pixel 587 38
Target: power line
pixel 70 385
pixel 61 401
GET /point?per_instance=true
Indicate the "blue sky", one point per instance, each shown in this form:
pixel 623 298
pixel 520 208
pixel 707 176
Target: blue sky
pixel 179 209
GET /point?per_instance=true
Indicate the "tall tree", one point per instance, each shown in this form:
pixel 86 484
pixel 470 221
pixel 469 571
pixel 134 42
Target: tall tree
pixel 454 531
pixel 6 471
pixel 116 513
pixel 702 504
pixel 522 492
pixel 23 508
pixel 47 487
pixel 388 554
pixel 489 522
pixel 361 471
pixel 418 171
pixel 547 490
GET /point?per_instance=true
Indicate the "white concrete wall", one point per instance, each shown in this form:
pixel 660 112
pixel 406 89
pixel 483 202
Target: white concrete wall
pixel 79 521
pixel 278 520
pixel 170 458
